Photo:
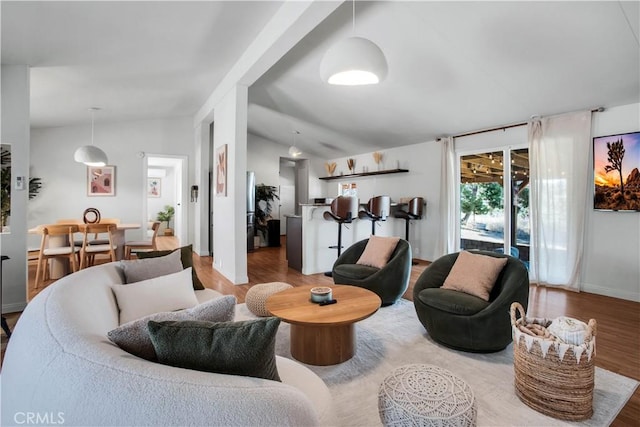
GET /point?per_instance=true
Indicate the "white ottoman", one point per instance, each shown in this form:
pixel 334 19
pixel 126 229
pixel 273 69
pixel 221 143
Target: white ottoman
pixel 257 296
pixel 425 395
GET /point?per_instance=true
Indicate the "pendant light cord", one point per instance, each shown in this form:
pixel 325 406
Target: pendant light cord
pixel 93 114
pixel 353 5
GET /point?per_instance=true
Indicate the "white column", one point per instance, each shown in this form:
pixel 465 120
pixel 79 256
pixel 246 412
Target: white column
pixel 15 130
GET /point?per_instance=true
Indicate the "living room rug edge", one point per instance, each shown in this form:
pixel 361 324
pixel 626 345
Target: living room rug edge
pixel 394 337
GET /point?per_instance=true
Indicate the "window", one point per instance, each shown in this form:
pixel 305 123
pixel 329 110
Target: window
pixel 493 201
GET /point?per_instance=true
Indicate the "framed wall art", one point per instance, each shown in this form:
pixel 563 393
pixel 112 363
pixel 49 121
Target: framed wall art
pixel 616 160
pixel 101 180
pixel 154 187
pixel 221 170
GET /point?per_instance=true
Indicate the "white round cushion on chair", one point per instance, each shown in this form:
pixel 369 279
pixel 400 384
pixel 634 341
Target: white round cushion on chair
pixel 256 297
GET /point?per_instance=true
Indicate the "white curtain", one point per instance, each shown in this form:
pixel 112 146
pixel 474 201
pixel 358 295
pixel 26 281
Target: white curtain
pixel 559 148
pixel 446 238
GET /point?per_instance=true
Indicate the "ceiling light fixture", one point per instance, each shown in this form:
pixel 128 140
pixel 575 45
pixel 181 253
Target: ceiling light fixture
pixel 293 150
pixel 353 61
pixel 91 155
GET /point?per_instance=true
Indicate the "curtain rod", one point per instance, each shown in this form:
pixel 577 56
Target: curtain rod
pixel 514 125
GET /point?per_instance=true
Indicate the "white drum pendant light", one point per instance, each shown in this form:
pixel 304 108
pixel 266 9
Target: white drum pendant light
pixel 91 155
pixel 353 61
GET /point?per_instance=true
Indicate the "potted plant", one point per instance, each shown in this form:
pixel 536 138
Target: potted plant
pixel 35 184
pixel 265 195
pixel 166 216
pixel 5 187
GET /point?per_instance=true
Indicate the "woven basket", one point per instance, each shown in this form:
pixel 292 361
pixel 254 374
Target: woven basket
pixel 552 377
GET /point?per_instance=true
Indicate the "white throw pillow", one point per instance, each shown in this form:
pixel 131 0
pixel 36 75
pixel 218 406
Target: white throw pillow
pixel 148 268
pixel 164 293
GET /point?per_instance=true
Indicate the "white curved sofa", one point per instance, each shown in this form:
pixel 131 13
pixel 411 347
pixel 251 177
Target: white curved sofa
pixel 60 366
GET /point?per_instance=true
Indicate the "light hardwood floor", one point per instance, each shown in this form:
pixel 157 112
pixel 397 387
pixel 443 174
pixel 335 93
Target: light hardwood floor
pixel 618 337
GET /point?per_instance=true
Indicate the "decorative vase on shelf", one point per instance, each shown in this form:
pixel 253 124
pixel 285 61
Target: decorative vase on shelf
pixel 351 164
pixel 330 168
pixel 377 157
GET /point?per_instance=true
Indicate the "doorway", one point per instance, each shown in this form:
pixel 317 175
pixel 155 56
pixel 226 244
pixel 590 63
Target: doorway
pixel 493 201
pixel 164 180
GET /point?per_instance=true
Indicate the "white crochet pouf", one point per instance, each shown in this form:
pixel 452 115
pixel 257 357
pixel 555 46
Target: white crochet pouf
pixel 257 296
pixel 425 395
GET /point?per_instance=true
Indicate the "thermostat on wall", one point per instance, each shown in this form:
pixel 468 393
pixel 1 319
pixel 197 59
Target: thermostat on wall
pixel 20 182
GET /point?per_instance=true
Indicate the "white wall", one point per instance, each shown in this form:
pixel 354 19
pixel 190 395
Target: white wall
pixel 15 131
pixel 611 264
pixel 263 158
pixel 64 192
pixel 423 180
pixel 229 212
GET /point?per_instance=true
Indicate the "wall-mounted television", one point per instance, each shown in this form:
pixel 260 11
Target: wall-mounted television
pixel 616 176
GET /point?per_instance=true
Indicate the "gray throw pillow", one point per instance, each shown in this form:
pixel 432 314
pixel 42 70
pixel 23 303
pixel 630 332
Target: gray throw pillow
pixel 186 255
pixel 144 269
pixel 235 348
pixel 133 337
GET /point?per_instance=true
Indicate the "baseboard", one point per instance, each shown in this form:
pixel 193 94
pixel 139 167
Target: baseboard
pixel 609 292
pixel 13 308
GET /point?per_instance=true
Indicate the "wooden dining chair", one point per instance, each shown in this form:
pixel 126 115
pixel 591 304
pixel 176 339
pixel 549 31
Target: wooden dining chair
pixel 62 247
pixel 77 241
pixel 102 241
pixel 90 250
pixel 143 245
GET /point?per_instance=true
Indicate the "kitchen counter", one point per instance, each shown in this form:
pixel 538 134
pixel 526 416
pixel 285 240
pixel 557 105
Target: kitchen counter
pixel 318 234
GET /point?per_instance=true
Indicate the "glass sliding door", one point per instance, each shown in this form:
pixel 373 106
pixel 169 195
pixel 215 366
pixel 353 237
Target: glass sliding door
pixel 494 201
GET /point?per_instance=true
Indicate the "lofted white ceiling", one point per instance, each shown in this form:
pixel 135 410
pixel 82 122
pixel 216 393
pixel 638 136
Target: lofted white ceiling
pixel 453 66
pixel 135 59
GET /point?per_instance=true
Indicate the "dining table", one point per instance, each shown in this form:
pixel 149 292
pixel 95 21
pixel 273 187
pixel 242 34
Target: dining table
pixel 60 267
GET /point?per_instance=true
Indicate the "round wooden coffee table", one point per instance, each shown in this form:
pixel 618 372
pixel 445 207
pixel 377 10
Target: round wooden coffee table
pixel 323 335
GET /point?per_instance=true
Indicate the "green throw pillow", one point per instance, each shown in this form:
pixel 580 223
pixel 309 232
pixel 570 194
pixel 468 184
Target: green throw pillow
pixel 186 256
pixel 236 348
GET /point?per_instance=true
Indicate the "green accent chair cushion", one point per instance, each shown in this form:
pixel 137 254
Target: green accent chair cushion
pixel 465 322
pixel 389 282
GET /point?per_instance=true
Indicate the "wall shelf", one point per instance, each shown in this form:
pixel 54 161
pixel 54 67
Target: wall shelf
pixel 356 175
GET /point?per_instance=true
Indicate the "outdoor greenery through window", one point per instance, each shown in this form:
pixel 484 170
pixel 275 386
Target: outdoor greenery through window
pixel 486 209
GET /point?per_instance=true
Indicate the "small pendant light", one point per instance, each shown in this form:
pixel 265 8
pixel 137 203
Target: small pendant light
pixel 293 150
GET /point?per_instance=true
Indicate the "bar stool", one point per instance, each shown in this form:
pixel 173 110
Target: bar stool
pixel 343 210
pixel 414 212
pixel 377 210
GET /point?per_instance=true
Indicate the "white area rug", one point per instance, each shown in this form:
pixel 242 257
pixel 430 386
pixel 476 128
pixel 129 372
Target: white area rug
pixel 394 337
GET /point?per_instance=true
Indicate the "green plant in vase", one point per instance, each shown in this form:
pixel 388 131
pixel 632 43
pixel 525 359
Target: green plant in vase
pixel 265 195
pixel 166 216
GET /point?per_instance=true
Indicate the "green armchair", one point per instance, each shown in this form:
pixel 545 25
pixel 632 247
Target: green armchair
pixel 466 322
pixel 389 282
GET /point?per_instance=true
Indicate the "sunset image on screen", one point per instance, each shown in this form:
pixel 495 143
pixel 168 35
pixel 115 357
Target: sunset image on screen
pixel 616 160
